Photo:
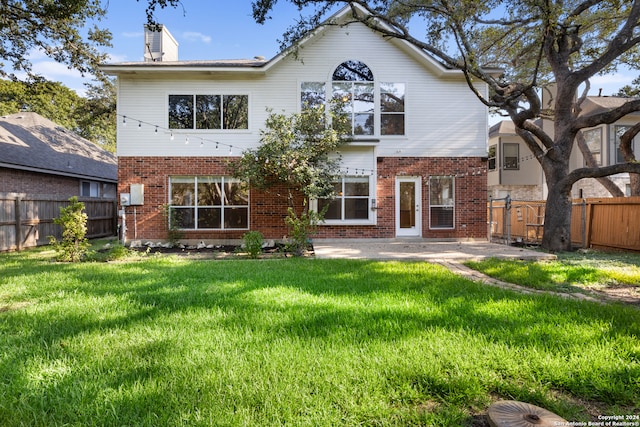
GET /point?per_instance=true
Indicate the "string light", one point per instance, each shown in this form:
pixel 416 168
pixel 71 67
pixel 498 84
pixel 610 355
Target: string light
pixel 344 173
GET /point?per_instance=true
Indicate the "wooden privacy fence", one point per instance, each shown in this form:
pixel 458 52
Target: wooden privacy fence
pixel 27 221
pixel 612 223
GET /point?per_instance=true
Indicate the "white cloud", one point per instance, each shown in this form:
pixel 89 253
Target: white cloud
pixel 54 70
pixel 196 37
pixel 133 34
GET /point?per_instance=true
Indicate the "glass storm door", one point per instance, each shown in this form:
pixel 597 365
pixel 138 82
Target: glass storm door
pixel 408 210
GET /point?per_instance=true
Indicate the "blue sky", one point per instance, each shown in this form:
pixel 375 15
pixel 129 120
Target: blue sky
pixel 213 29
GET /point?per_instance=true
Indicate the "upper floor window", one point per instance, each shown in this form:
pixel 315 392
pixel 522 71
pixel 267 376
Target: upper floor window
pixel 208 111
pixel 492 157
pixel 593 139
pixel 392 108
pixel 371 109
pixel 510 156
pixel 619 131
pixel 353 86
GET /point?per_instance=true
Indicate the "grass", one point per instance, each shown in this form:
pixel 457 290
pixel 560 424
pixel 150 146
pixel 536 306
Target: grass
pixel 572 272
pixel 304 342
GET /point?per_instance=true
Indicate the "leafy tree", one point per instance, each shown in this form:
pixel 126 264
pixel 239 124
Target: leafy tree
pixel 97 121
pixel 517 48
pixel 295 152
pixel 60 29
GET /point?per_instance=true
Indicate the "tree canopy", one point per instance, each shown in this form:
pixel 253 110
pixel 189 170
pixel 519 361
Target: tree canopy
pixel 518 49
pixel 63 30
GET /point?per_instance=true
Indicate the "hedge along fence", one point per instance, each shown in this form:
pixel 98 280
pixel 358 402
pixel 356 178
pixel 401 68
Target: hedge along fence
pixel 27 221
pixel 608 223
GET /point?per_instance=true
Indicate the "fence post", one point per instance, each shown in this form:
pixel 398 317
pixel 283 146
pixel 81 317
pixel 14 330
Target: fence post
pixel 18 215
pixel 507 217
pixel 490 218
pixel 584 224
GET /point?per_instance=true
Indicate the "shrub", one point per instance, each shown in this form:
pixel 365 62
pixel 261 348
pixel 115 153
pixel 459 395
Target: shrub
pixel 301 228
pixel 253 243
pixel 73 221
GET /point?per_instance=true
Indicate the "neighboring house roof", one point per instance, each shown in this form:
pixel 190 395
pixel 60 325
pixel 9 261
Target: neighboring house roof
pixel 599 104
pixel 590 105
pixel 28 141
pixel 505 127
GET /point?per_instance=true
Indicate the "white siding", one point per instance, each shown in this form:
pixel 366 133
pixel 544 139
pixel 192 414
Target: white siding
pixel 443 117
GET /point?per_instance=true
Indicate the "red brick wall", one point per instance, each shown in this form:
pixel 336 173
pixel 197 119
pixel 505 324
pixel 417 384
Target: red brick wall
pixel 268 209
pixel 17 181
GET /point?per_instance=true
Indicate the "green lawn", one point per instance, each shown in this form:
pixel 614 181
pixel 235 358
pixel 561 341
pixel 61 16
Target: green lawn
pixel 164 341
pixel 572 272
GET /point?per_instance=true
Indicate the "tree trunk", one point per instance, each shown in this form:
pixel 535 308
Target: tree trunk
pixel 557 220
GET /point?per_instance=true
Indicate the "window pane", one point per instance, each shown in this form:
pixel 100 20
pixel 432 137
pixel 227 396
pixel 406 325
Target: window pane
pixel 363 98
pixel 353 71
pixel 209 191
pixel 356 208
pixel 363 124
pixel 342 93
pixel 207 111
pixel 392 124
pixel 442 217
pixel 356 187
pixel 441 191
pixel 183 191
pixel 236 193
pixel 510 154
pixel 182 217
pixel 236 217
pixel 85 188
pixel 593 139
pixel 209 217
pixel 312 94
pixel 236 112
pixel 334 210
pixel 392 97
pixel 620 130
pixel 181 111
pixel 492 157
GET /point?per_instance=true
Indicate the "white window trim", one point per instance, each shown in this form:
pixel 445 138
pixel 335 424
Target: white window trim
pixel 195 207
pixel 371 206
pixel 199 131
pixel 453 206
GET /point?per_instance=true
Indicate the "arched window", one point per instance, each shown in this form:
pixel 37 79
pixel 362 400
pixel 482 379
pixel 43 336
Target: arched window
pixel 353 85
pixel 353 71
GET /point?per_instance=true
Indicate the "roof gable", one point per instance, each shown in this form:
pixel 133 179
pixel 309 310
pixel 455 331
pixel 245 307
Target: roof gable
pixel 260 65
pixel 31 142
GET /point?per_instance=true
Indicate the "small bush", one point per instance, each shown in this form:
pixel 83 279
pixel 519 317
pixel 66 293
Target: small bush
pixel 301 228
pixel 74 244
pixel 253 243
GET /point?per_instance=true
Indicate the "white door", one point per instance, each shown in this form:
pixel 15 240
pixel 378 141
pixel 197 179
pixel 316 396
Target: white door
pixel 408 206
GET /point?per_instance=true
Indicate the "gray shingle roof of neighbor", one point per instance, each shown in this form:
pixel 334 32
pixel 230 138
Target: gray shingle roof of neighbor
pixel 591 105
pixel 28 141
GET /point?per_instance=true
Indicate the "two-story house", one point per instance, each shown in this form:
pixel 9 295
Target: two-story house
pixel 416 166
pixel 513 170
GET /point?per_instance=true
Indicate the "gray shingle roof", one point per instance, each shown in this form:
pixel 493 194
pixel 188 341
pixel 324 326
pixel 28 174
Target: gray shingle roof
pixel 29 141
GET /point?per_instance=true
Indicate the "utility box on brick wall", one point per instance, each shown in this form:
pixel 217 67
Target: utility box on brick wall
pixel 137 194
